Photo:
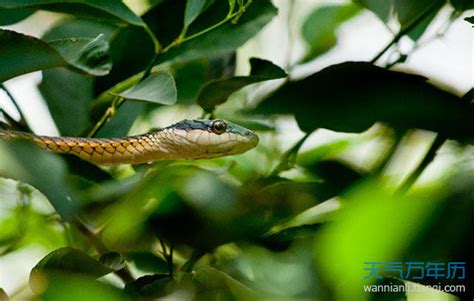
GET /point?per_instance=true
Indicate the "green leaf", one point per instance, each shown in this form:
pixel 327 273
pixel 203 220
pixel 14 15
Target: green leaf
pixel 111 10
pixel 157 88
pixel 23 54
pixel 150 286
pixel 375 226
pixel 319 28
pixel 112 260
pixel 77 288
pixel 3 295
pixel 69 260
pixel 383 9
pixel 225 38
pixel 370 94
pixel 470 19
pixel 213 279
pixel 462 5
pixel 86 54
pixel 217 91
pixel 77 90
pixel 193 9
pixel 12 16
pixel 406 11
pixel 27 163
pixel 148 262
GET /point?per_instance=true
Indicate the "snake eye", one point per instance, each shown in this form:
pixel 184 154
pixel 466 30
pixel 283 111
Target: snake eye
pixel 218 126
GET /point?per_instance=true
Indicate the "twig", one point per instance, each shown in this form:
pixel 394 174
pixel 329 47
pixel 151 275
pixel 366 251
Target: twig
pixel 22 121
pixel 288 158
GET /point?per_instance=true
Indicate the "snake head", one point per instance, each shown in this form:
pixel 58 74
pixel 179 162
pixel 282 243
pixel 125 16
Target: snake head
pixel 212 138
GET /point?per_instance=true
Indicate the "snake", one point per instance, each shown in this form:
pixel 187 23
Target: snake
pixel 185 140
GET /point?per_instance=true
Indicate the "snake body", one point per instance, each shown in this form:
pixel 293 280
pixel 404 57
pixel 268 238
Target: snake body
pixel 185 140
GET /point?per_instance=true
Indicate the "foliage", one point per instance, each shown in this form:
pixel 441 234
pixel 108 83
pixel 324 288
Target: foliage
pixel 279 222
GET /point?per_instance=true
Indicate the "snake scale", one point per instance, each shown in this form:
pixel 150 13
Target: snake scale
pixel 185 140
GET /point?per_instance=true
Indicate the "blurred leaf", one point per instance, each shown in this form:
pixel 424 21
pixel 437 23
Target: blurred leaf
pixel 320 213
pixel 111 10
pixel 77 288
pixel 112 260
pixel 370 94
pixel 158 88
pixel 409 10
pixel 86 54
pixel 149 286
pixel 23 54
pixel 217 91
pixel 319 28
pixel 12 16
pixel 462 5
pixel 406 12
pixel 3 295
pixel 148 262
pixel 214 280
pixel 470 19
pixel 375 226
pixel 193 9
pixel 225 38
pixel 69 260
pixel 383 9
pixel 27 163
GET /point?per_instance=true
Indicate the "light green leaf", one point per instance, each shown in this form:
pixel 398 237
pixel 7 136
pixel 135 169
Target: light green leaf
pixel 217 91
pixel 111 10
pixel 319 29
pixel 158 88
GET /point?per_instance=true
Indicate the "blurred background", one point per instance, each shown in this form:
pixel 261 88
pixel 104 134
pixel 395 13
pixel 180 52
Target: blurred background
pixel 294 219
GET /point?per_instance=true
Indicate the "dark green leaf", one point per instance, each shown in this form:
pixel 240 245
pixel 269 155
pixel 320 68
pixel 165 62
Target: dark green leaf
pixel 22 54
pixel 462 5
pixel 106 9
pixel 193 9
pixel 470 19
pixel 112 260
pixel 319 28
pixel 150 286
pixel 157 88
pixel 12 16
pixel 370 94
pixel 70 105
pixel 217 91
pixel 148 262
pixel 227 37
pixel 86 54
pixel 69 260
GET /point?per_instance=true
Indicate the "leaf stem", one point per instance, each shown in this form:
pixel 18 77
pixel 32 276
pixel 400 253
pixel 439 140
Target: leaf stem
pixel 289 157
pixel 406 30
pixel 108 114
